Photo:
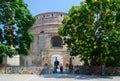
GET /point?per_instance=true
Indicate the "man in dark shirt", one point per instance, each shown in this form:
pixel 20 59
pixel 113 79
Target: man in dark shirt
pixel 56 63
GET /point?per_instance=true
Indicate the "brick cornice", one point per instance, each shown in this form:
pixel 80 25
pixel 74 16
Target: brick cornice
pixel 47 25
pixel 43 14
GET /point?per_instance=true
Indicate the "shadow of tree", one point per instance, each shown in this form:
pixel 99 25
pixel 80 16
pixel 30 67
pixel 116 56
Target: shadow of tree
pixel 75 76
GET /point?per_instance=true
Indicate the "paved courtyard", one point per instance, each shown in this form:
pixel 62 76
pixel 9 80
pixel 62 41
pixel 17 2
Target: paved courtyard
pixel 56 77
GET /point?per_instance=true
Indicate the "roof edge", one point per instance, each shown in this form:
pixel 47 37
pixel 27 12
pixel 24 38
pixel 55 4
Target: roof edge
pixel 51 13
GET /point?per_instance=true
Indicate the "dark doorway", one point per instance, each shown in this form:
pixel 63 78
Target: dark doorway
pixel 1 60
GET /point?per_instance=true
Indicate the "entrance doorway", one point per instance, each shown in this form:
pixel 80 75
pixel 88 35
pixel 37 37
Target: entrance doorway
pixel 59 58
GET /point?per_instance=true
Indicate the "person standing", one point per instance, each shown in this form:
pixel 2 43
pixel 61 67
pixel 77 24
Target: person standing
pixel 56 63
pixel 67 68
pixel 61 68
pixel 103 69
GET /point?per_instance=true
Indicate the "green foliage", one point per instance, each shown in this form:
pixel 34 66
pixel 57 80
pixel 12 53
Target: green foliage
pixel 7 51
pixel 92 31
pixel 15 24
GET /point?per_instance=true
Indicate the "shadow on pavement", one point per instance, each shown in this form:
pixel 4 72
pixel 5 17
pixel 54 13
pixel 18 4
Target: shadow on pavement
pixel 75 76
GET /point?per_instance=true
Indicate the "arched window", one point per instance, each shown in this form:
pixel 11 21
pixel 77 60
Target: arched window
pixel 56 41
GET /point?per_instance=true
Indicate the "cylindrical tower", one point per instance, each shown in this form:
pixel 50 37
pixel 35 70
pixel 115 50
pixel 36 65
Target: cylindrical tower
pixel 47 44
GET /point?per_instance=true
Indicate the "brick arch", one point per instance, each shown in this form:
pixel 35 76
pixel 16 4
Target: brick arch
pixel 56 41
pixel 59 58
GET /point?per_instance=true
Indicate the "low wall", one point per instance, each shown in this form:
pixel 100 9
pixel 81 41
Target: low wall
pixel 96 70
pixel 20 70
pixel 113 71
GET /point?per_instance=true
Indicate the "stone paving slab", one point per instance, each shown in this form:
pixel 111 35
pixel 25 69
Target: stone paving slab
pixel 56 77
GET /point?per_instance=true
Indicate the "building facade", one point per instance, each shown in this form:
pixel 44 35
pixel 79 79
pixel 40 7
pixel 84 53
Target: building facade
pixel 47 44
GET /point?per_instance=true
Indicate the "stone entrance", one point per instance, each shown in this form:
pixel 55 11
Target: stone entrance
pixel 59 58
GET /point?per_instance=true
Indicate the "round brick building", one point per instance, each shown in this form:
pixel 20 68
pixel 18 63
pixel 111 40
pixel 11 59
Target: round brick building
pixel 47 44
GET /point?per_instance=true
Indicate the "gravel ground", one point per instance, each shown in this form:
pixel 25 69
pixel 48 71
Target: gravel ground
pixel 56 77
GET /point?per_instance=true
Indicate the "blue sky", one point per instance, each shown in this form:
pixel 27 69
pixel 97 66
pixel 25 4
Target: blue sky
pixel 41 6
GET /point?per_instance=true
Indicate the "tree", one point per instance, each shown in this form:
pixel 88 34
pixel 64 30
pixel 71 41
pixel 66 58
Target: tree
pixel 92 31
pixel 15 23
